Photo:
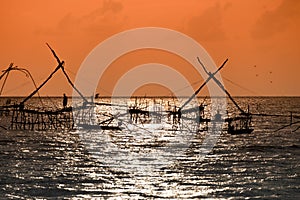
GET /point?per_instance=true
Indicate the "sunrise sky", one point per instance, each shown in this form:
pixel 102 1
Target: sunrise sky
pixel 260 38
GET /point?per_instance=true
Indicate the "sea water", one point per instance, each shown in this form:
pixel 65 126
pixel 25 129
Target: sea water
pixel 134 163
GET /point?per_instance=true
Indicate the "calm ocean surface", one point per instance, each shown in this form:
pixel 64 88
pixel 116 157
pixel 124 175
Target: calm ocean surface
pixel 136 165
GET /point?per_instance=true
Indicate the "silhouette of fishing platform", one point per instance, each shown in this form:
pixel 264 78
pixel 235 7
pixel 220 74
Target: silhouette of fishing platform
pixel 20 116
pixel 23 117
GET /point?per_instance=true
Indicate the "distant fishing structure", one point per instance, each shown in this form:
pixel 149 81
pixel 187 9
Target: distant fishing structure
pixel 19 116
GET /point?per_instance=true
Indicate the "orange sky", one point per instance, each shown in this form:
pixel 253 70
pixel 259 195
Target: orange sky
pixel 260 38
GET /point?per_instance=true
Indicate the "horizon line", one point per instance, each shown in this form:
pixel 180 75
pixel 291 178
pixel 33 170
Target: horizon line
pixel 145 96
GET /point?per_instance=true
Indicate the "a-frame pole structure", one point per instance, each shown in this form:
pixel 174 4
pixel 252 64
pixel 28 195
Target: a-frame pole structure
pixel 211 75
pixel 59 66
pixel 222 87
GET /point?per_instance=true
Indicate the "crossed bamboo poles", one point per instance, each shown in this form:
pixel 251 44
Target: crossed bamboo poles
pixel 178 112
pixel 59 66
pixel 10 68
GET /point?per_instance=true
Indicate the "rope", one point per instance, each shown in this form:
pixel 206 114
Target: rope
pixel 88 81
pixel 240 86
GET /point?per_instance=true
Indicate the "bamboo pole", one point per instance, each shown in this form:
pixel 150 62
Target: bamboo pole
pixel 221 86
pixel 66 75
pixel 7 70
pixel 5 79
pixel 211 75
pixel 37 89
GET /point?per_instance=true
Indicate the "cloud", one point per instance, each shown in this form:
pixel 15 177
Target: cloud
pixel 67 23
pixel 108 7
pixel 276 21
pixel 208 25
pixel 113 6
pixel 105 18
pixel 227 5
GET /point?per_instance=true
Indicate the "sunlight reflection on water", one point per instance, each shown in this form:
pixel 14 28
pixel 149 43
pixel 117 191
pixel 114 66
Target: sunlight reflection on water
pixel 264 164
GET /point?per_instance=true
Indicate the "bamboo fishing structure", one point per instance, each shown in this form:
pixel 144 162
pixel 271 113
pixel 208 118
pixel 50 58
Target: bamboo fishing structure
pixel 25 118
pixel 28 119
pixel 22 117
